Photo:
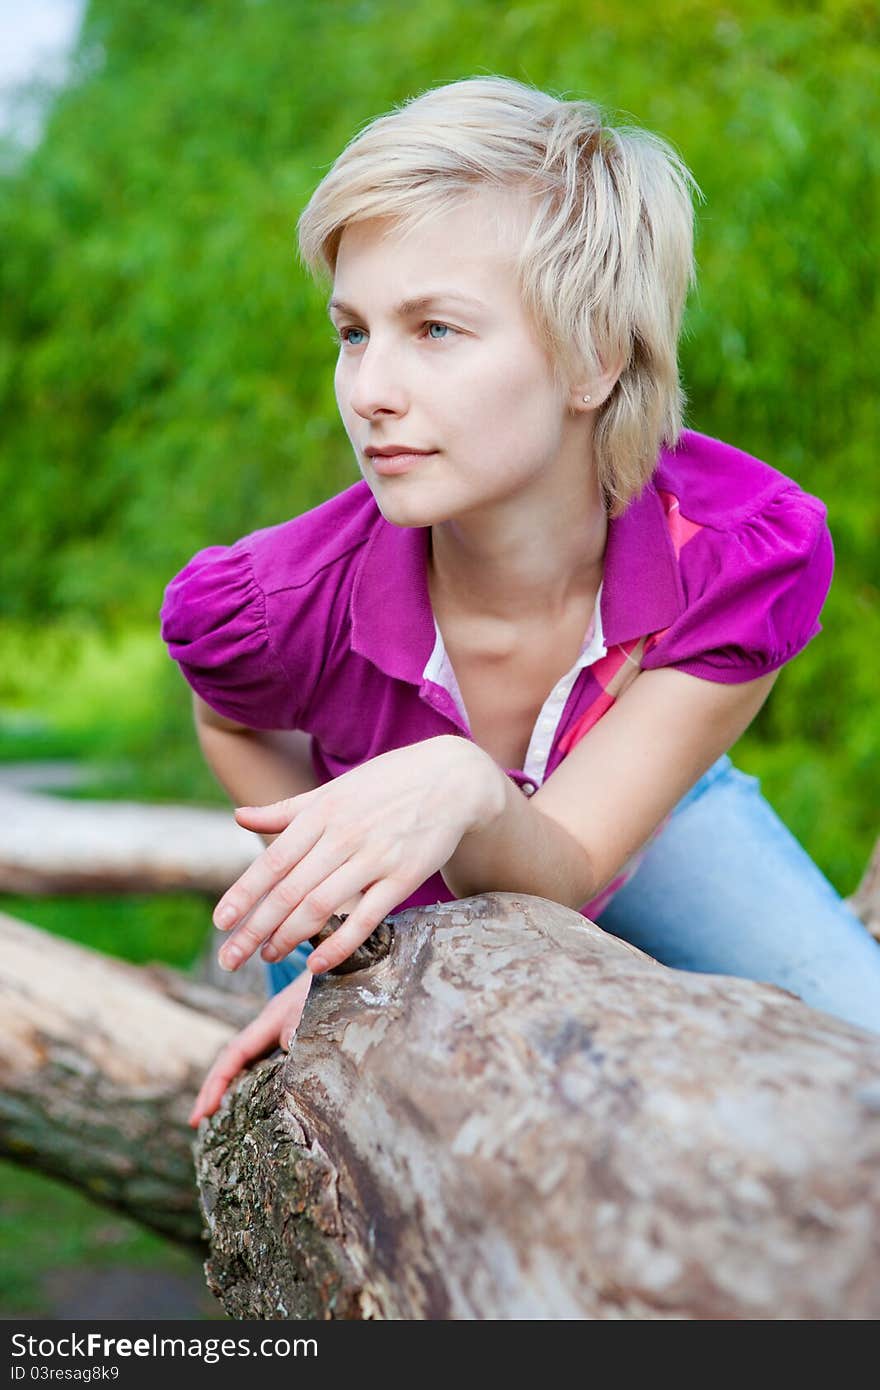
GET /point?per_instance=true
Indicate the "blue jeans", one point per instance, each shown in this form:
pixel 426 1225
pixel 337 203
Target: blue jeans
pixel 726 889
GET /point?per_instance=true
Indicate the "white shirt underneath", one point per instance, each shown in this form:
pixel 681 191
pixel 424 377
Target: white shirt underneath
pixel 439 670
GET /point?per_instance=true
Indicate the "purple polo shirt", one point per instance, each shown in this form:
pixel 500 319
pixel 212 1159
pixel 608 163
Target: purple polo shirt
pixel 719 568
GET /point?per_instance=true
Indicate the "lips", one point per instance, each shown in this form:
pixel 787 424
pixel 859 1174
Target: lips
pixel 389 450
pixel 387 465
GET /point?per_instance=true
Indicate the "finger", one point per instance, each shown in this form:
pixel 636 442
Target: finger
pixel 329 896
pixel 214 1087
pixel 257 1038
pixel 307 879
pixel 297 1003
pixel 226 1066
pixel 235 1057
pixel 272 817
pixel 265 871
pixel 377 902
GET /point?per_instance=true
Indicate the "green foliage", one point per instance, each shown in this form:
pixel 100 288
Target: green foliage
pixel 110 699
pixel 166 368
pixel 173 927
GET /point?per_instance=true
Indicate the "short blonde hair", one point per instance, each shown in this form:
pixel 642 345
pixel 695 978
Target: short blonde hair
pixel 607 259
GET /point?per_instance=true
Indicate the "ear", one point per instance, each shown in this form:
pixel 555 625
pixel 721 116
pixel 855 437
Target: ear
pixel 591 392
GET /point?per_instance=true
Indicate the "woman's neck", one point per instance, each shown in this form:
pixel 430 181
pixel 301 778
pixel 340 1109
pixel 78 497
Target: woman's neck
pixel 520 565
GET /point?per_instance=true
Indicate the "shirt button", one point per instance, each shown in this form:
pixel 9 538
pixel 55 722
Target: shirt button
pixel 529 788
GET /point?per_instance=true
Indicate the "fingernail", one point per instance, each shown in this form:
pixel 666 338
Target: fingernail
pixel 229 959
pixel 270 953
pixel 317 963
pixel 224 916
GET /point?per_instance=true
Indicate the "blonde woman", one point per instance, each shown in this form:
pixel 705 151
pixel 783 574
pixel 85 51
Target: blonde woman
pixel 514 654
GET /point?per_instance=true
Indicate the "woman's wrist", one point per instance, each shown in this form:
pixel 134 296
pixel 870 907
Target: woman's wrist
pixel 486 782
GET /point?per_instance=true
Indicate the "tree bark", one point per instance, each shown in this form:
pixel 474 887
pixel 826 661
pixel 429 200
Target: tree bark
pixel 515 1115
pixel 51 845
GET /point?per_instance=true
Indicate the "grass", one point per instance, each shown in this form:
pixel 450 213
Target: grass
pixel 48 1229
pixel 173 928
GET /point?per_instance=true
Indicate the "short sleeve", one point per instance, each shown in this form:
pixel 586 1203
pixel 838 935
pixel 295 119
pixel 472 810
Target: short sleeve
pixel 753 595
pixel 214 623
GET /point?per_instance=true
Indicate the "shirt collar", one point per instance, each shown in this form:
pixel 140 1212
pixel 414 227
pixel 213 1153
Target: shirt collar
pixel 393 622
pixel 642 590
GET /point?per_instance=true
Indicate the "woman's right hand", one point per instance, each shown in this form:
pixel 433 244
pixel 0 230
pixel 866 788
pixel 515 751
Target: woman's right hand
pixel 275 1026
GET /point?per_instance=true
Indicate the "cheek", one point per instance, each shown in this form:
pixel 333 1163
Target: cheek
pixel 513 403
pixel 341 391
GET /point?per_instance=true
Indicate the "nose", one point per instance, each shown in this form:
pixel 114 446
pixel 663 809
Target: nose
pixel 378 386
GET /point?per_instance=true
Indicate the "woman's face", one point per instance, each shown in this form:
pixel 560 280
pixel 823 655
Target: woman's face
pixel 461 374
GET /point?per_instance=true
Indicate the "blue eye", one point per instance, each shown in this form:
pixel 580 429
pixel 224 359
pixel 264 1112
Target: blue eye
pixel 356 337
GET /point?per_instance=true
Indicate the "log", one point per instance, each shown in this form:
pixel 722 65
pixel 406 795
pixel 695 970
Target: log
pixel 506 1113
pixel 52 845
pixel 99 1064
pixel 515 1115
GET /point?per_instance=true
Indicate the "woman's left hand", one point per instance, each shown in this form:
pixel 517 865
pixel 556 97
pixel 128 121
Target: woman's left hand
pixel 379 830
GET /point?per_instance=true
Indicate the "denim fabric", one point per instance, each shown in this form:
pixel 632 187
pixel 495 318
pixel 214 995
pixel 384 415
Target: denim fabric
pixel 284 972
pixel 727 889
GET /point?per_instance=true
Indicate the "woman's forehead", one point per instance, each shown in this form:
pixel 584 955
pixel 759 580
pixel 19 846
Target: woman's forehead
pixel 467 247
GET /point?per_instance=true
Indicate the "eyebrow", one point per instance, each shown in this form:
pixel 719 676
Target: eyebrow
pixel 407 307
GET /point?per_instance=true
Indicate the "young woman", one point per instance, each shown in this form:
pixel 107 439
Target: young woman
pixel 514 654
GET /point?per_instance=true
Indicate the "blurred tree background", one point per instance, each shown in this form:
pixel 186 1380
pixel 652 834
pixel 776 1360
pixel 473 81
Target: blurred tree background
pixel 166 366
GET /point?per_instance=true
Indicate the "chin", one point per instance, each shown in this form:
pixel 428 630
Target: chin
pixel 400 515
pixel 401 506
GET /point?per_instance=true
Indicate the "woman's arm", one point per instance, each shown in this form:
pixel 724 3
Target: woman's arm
pixel 254 767
pixel 610 793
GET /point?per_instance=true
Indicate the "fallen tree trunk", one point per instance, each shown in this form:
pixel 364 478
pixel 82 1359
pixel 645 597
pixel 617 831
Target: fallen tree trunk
pixel 51 845
pixel 514 1115
pixel 99 1063
pixel 510 1114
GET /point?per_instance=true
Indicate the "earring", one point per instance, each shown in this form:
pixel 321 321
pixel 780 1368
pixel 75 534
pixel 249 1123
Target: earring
pixel 586 399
